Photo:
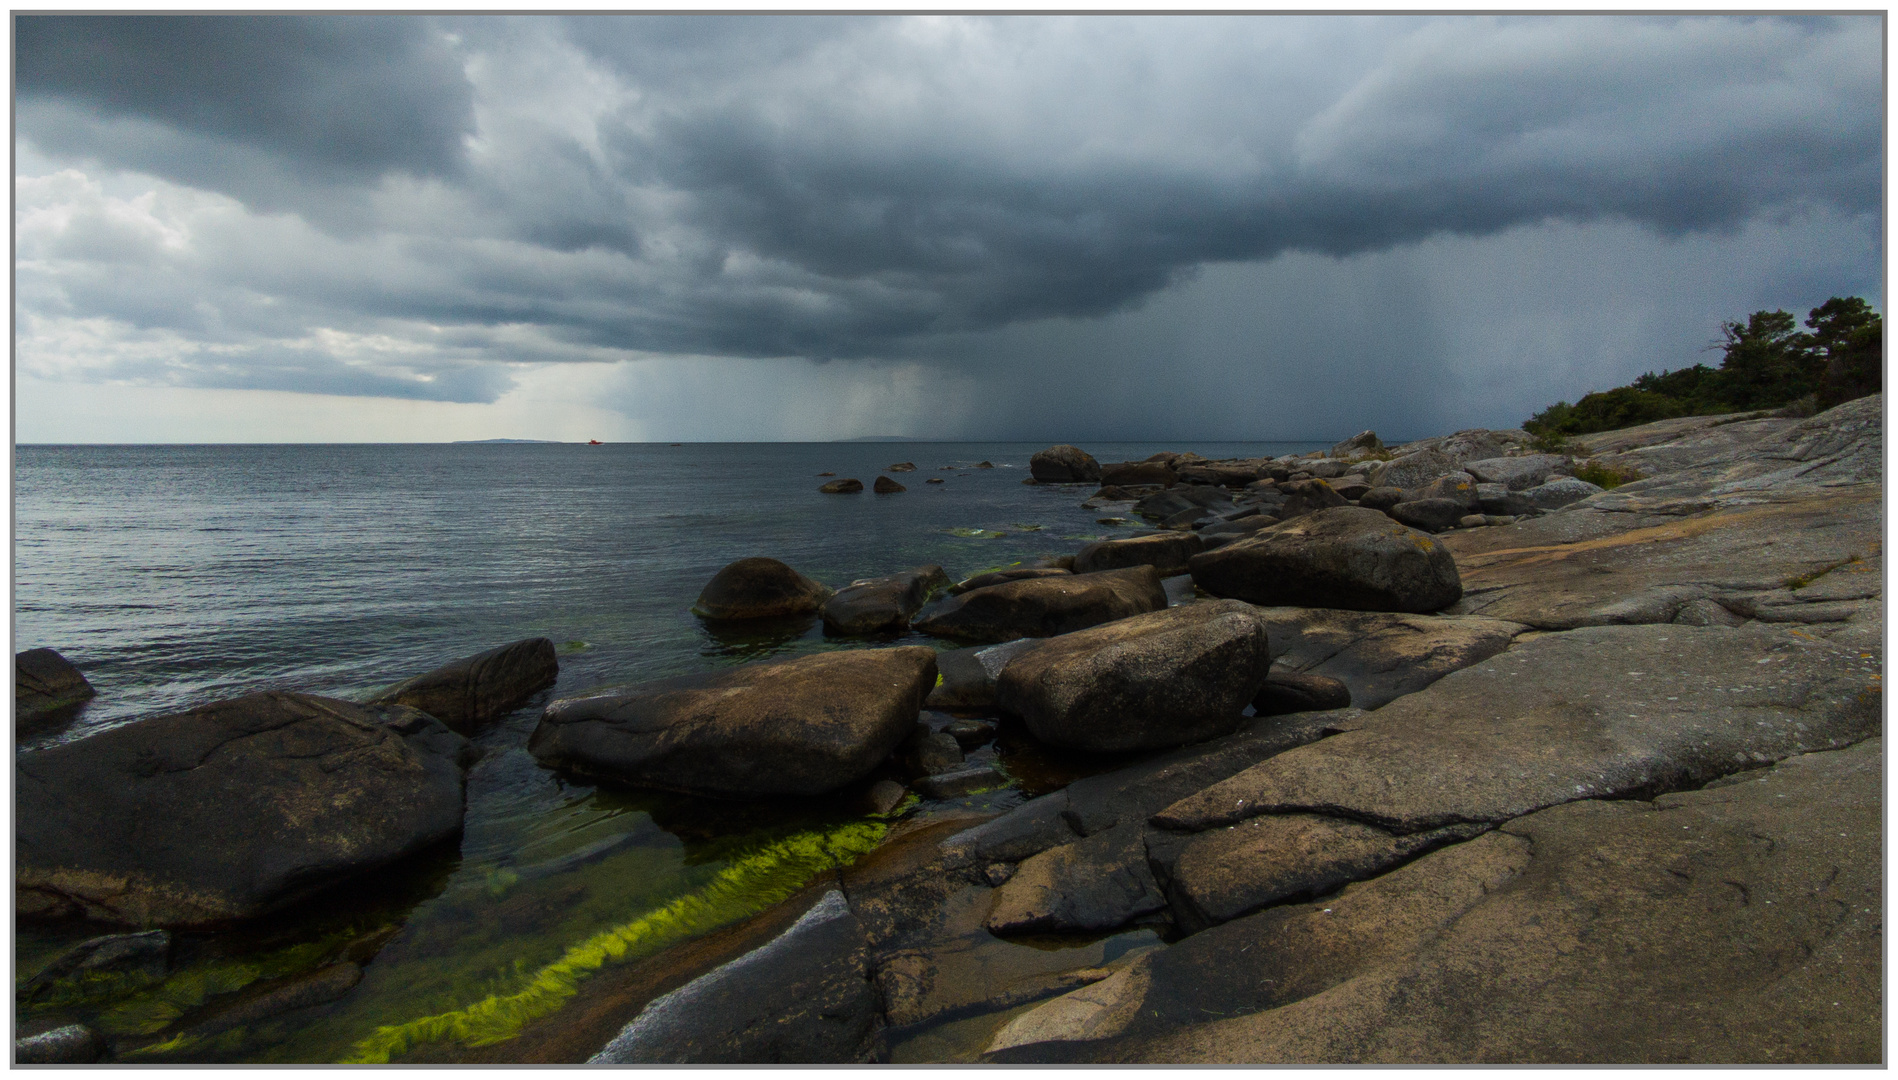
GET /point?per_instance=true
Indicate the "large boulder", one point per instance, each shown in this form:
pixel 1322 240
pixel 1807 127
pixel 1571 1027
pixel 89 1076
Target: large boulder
pixel 1044 607
pixel 787 727
pixel 886 486
pixel 1363 444
pixel 1303 497
pixel 1430 515
pixel 1064 465
pixel 1560 492
pixel 479 688
pixel 882 605
pixel 45 682
pixel 1166 552
pixel 1517 473
pixel 1157 680
pixel 1347 557
pixel 842 487
pixel 1412 470
pixel 759 588
pixel 1136 473
pixel 229 810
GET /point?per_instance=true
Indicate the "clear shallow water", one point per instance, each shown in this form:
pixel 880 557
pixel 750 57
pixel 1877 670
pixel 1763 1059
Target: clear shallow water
pixel 173 576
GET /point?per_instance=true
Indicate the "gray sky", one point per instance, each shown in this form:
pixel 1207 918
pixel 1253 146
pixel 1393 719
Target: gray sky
pixel 745 227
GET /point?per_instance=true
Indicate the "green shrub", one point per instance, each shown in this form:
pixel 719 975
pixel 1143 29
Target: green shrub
pixel 1767 363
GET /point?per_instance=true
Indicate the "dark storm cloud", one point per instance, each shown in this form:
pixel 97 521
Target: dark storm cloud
pixel 340 98
pixel 848 187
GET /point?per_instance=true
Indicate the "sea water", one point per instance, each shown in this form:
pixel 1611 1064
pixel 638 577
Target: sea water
pixel 179 575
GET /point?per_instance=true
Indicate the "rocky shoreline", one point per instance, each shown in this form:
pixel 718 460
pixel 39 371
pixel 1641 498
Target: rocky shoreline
pixel 1433 752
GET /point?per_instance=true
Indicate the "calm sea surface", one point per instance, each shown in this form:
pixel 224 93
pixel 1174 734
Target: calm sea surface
pixel 177 575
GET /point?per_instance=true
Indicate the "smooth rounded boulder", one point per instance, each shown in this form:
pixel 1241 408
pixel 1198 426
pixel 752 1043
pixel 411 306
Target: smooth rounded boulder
pixel 1162 679
pixel 1064 465
pixel 229 810
pixel 1166 552
pixel 1348 557
pixel 480 688
pixel 802 726
pixel 1046 606
pixel 882 605
pixel 1430 515
pixel 886 486
pixel 759 588
pixel 44 683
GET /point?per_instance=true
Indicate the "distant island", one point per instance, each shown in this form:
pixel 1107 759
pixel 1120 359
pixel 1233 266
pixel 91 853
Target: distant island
pixel 473 442
pixel 886 438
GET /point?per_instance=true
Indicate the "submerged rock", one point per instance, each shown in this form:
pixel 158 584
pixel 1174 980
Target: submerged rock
pixel 45 682
pixel 472 691
pixel 881 605
pixel 842 487
pixel 1043 607
pixel 759 588
pixel 72 1044
pixel 141 957
pixel 1064 465
pixel 230 810
pixel 802 726
pixel 1156 680
pixel 1348 557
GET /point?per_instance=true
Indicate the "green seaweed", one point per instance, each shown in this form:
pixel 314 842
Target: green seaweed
pixel 750 884
pixel 973 533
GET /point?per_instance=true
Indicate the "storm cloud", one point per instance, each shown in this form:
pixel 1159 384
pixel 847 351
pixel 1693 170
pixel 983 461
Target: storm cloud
pixel 428 207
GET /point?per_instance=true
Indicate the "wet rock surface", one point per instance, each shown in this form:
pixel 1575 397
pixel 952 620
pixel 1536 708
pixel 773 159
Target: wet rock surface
pixel 479 689
pixel 795 727
pixel 230 810
pixel 1044 607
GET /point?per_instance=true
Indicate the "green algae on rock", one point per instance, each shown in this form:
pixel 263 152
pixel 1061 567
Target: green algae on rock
pixel 750 884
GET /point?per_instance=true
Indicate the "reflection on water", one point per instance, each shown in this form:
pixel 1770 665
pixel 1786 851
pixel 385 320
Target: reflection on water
pixel 174 576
